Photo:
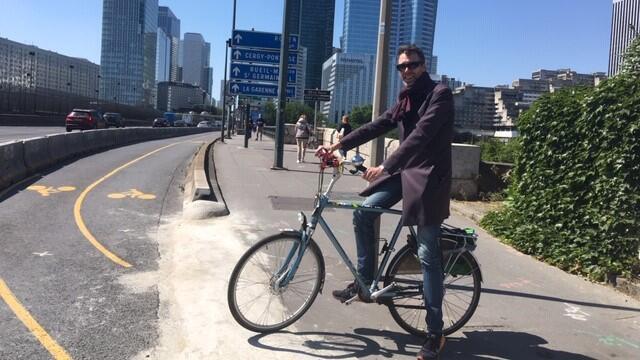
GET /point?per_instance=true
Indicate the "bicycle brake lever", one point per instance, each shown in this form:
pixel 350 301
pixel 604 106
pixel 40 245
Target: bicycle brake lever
pixel 358 168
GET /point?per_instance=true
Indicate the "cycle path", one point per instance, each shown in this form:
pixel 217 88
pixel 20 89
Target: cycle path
pixel 528 310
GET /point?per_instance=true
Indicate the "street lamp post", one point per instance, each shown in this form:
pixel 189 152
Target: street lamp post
pixel 98 92
pixel 282 87
pixel 224 87
pixel 70 86
pixel 32 54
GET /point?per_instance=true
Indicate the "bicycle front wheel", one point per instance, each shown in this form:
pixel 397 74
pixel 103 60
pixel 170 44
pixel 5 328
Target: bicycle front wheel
pixel 461 291
pixel 256 301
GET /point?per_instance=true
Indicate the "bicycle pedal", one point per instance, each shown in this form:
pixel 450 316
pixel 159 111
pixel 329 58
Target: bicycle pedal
pixel 352 300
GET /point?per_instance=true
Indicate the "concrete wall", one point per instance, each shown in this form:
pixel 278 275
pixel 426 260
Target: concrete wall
pixel 21 159
pixel 465 159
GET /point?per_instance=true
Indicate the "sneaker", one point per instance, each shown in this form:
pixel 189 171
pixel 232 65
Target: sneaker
pixel 298 161
pixel 431 347
pixel 346 294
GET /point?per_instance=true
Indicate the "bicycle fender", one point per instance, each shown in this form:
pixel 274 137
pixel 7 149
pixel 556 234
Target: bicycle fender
pixel 312 243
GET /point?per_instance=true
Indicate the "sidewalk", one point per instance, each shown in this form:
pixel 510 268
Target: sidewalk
pixel 527 309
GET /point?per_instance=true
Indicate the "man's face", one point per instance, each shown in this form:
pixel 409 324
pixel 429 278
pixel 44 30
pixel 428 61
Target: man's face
pixel 410 67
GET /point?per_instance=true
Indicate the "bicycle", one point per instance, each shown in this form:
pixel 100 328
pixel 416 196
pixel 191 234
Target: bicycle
pixel 276 281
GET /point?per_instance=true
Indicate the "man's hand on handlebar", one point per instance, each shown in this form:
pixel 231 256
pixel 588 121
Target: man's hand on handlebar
pixel 373 173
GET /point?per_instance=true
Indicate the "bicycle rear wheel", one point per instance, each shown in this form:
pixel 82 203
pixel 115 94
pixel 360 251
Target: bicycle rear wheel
pixel 255 301
pixel 461 290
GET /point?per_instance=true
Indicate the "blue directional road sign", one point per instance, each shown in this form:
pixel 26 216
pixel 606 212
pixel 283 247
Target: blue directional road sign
pixel 259 73
pixel 264 40
pixel 263 90
pixel 262 56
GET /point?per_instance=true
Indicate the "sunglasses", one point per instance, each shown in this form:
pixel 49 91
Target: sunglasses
pixel 411 65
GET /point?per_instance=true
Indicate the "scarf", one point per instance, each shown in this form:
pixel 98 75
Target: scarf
pixel 410 98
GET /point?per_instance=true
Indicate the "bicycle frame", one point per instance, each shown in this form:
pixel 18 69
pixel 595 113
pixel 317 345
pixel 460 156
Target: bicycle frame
pixel 285 274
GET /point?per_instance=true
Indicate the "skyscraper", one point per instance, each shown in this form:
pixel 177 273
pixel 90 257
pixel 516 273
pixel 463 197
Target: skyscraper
pixel 412 22
pixel 196 54
pixel 360 26
pixel 350 78
pixel 313 21
pixel 168 22
pixel 128 56
pixel 625 26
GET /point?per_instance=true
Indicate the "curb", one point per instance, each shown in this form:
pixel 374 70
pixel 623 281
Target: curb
pixel 202 196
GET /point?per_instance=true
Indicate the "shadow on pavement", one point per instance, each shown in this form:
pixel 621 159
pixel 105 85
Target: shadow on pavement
pixel 476 345
pixel 556 299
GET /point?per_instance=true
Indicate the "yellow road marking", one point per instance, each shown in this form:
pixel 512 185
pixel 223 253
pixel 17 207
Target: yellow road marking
pixel 48 190
pixel 78 206
pixel 47 341
pixel 133 193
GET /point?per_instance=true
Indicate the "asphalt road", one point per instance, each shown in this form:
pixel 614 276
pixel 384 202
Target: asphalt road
pixel 81 294
pixel 11 133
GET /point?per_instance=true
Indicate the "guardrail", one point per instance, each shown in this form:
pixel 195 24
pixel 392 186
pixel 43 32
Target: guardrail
pixel 23 158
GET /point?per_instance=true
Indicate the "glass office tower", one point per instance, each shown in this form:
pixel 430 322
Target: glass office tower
pixel 625 26
pixel 128 57
pixel 412 22
pixel 313 21
pixel 360 26
pixel 168 22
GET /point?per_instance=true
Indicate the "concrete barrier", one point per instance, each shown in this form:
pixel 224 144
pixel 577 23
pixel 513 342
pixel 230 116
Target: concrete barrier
pixel 200 200
pixel 12 167
pixel 20 159
pixel 36 154
pixel 58 147
pixel 75 144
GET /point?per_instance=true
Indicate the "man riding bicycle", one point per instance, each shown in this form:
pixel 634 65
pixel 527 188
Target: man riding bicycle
pixel 418 173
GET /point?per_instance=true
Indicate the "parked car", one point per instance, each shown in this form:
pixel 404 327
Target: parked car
pixel 205 124
pixel 113 119
pixel 84 119
pixel 160 122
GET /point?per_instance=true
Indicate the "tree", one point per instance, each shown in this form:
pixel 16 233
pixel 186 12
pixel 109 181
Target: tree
pixel 360 115
pixel 294 109
pixel 269 114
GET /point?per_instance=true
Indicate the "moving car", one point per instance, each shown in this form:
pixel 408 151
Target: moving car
pixel 160 122
pixel 84 119
pixel 205 124
pixel 113 119
pixel 179 123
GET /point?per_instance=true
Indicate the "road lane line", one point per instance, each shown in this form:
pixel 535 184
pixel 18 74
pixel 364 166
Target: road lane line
pixel 78 206
pixel 47 341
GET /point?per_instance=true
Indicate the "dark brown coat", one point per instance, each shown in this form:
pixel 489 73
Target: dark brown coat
pixel 423 159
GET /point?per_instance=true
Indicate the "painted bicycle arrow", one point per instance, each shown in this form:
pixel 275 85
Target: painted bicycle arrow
pixel 264 40
pixel 262 90
pixel 259 73
pixel 262 56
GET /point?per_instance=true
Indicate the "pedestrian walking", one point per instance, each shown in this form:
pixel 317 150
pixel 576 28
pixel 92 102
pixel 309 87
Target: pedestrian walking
pixel 303 132
pixel 343 130
pixel 259 128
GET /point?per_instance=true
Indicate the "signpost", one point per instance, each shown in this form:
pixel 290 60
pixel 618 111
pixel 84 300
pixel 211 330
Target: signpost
pixel 262 40
pixel 262 56
pixel 254 54
pixel 262 90
pixel 317 96
pixel 259 73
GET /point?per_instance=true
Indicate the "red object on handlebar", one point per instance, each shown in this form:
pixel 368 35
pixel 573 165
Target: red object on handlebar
pixel 327 159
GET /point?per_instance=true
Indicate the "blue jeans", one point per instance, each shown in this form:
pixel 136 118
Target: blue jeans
pixel 429 250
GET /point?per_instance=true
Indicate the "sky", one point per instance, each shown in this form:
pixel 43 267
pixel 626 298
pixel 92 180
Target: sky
pixel 483 42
